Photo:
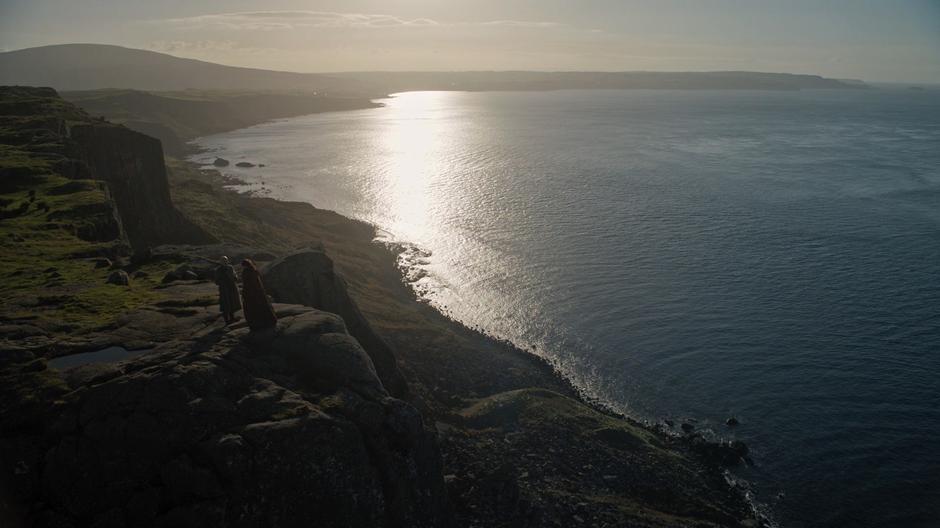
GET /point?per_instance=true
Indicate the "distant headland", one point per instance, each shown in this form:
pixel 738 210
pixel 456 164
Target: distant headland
pixel 99 66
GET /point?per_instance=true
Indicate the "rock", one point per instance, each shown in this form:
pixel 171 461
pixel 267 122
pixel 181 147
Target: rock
pixel 142 256
pixel 244 164
pixel 732 421
pixel 141 274
pixel 102 262
pixel 721 454
pixel 185 481
pixel 19 331
pixel 143 507
pixel 132 164
pixel 292 426
pixel 687 427
pixel 186 272
pixel 119 277
pixel 12 355
pixel 220 162
pixel 334 359
pixel 308 278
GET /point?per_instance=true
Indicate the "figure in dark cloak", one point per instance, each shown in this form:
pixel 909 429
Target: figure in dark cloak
pixel 258 310
pixel 229 299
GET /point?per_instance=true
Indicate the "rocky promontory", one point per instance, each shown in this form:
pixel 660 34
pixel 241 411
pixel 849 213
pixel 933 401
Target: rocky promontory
pixel 225 427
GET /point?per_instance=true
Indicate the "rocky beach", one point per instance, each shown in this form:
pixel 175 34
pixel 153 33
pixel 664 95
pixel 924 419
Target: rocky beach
pixel 363 407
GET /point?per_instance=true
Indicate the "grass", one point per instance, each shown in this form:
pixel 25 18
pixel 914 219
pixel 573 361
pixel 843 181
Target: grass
pixel 46 274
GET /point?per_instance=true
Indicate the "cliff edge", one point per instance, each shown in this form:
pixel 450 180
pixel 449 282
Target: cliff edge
pixel 43 135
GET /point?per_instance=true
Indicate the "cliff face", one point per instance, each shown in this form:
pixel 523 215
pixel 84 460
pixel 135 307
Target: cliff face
pixel 132 165
pixel 47 136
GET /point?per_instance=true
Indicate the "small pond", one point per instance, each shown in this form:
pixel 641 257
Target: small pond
pixel 106 355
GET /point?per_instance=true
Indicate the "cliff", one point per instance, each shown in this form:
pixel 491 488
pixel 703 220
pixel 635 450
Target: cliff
pixel 132 165
pixel 47 136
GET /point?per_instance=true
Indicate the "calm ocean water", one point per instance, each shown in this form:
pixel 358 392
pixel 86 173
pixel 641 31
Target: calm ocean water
pixel 680 255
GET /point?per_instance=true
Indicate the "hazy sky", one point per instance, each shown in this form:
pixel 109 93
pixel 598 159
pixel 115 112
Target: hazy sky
pixel 887 40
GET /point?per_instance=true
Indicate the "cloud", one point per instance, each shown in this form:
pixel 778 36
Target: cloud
pixel 331 41
pixel 188 46
pixel 281 20
pixel 518 23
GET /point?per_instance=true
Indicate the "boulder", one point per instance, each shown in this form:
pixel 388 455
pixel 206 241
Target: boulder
pixel 308 278
pixel 187 272
pixel 721 454
pixel 244 164
pixel 119 277
pixel 220 162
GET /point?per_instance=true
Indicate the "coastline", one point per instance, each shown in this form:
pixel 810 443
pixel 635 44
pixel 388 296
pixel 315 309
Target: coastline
pixel 436 423
pixel 480 365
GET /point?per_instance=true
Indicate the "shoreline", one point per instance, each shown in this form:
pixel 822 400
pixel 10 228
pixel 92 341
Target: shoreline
pixel 399 248
pixel 449 427
pixel 544 367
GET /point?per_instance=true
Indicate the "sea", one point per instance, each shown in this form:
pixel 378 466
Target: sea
pixel 680 256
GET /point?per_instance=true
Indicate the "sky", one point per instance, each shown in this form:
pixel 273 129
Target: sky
pixel 876 41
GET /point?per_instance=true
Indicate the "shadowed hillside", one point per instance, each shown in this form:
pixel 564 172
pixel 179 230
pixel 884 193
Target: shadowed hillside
pixel 96 66
pixel 175 118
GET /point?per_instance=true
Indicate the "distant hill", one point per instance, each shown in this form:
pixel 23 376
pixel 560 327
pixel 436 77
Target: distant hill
pixel 176 117
pixel 98 66
pixel 533 81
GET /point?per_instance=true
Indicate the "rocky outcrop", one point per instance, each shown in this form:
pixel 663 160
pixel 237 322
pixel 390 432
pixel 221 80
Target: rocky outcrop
pixel 132 166
pixel 541 459
pixel 55 137
pixel 308 278
pixel 284 428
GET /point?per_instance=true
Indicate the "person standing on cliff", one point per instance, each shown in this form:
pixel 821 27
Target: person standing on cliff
pixel 229 299
pixel 258 310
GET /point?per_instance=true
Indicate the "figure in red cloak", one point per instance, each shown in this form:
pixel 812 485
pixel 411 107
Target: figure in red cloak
pixel 258 310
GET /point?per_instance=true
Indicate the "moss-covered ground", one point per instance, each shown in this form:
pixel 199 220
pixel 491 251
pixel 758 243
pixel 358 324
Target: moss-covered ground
pixel 48 275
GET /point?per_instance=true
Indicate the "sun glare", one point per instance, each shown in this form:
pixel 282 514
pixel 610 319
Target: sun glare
pixel 413 145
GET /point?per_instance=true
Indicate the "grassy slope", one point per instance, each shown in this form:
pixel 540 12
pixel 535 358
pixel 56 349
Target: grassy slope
pixel 48 279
